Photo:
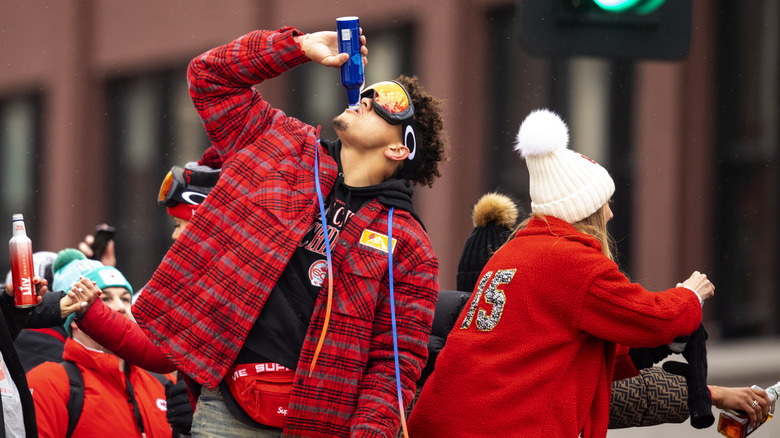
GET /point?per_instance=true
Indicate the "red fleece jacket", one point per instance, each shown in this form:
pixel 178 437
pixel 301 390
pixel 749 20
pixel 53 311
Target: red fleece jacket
pixel 532 353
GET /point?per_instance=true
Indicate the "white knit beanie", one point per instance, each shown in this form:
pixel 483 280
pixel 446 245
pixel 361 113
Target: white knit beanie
pixel 563 183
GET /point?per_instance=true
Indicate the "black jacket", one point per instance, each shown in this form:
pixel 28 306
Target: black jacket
pixel 448 308
pixel 12 320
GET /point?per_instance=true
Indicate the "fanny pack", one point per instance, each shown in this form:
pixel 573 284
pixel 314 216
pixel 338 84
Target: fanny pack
pixel 262 390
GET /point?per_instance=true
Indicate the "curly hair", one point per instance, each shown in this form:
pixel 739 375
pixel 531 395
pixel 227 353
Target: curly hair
pixel 429 129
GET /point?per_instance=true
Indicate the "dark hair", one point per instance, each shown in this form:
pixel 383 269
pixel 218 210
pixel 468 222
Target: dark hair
pixel 429 128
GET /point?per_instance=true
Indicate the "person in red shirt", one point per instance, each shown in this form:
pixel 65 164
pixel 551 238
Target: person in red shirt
pixel 246 299
pixel 119 399
pixel 533 352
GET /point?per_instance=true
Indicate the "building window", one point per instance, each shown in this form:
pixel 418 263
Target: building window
pixel 155 126
pixel 20 146
pixel 747 184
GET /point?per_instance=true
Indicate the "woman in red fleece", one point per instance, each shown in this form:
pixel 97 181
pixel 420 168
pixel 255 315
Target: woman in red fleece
pixel 533 352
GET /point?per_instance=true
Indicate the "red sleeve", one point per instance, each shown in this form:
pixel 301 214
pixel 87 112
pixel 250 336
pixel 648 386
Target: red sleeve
pixel 624 368
pixel 50 390
pixel 123 337
pixel 221 85
pixel 625 313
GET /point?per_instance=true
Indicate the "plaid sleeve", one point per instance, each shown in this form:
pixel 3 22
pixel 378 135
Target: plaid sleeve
pixel 221 80
pixel 416 288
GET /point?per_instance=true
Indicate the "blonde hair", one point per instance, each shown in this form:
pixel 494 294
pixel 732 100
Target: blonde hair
pixel 594 226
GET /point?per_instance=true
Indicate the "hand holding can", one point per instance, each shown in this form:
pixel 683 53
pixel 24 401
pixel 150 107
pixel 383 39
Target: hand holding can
pixel 22 270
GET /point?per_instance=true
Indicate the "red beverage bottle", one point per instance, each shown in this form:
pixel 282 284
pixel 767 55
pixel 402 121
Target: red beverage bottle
pixel 22 270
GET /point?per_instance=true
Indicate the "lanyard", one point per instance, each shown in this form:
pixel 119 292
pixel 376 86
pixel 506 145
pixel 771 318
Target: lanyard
pixel 131 399
pixel 329 303
pixel 401 410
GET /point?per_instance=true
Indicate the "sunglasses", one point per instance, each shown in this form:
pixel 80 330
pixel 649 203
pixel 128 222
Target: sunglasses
pixel 176 188
pixel 170 187
pixel 393 103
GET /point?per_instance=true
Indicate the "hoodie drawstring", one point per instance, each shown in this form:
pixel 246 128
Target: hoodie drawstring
pixel 329 262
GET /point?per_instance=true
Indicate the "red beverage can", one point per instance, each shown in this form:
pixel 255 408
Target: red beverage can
pixel 22 268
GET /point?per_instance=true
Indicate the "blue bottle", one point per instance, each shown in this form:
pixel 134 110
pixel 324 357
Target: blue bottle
pixel 348 29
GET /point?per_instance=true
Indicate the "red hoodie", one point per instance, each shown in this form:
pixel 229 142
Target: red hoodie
pixel 534 355
pixel 106 412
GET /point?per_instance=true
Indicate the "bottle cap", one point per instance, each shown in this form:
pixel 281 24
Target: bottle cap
pixel 18 217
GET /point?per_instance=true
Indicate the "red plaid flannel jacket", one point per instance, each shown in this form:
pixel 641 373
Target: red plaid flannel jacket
pixel 206 294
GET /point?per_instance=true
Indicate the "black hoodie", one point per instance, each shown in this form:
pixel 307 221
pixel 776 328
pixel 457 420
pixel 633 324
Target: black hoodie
pixel 279 331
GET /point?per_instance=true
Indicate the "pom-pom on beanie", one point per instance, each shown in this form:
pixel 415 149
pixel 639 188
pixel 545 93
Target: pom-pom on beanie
pixel 494 216
pixel 563 183
pixel 69 265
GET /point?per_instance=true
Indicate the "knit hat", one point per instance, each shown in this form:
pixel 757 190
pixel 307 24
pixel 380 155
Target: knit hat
pixel 108 276
pixel 42 262
pixel 563 183
pixel 71 263
pixel 494 216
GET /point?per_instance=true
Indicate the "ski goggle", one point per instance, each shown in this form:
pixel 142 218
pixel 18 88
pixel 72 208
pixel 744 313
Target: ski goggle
pixel 175 187
pixel 393 103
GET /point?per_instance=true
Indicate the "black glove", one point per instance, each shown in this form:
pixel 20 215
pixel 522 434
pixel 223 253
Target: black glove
pixel 679 368
pixel 695 373
pixel 179 407
pixel 645 357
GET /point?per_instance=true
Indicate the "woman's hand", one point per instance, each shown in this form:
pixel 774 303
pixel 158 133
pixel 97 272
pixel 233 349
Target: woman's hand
pixel 753 402
pixel 109 255
pixel 699 283
pixel 79 298
pixel 41 288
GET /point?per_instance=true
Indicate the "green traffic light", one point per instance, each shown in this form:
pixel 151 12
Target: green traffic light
pixel 641 7
pixel 616 5
pixel 648 6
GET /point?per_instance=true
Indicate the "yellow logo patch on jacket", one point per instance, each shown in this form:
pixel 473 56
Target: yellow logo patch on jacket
pixel 376 240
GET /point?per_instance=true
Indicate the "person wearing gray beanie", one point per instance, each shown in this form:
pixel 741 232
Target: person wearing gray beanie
pixel 550 306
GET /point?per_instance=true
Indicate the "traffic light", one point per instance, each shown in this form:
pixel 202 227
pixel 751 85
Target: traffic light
pixel 653 29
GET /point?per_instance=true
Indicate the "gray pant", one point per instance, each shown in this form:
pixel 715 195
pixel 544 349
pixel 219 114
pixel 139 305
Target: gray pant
pixel 213 420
